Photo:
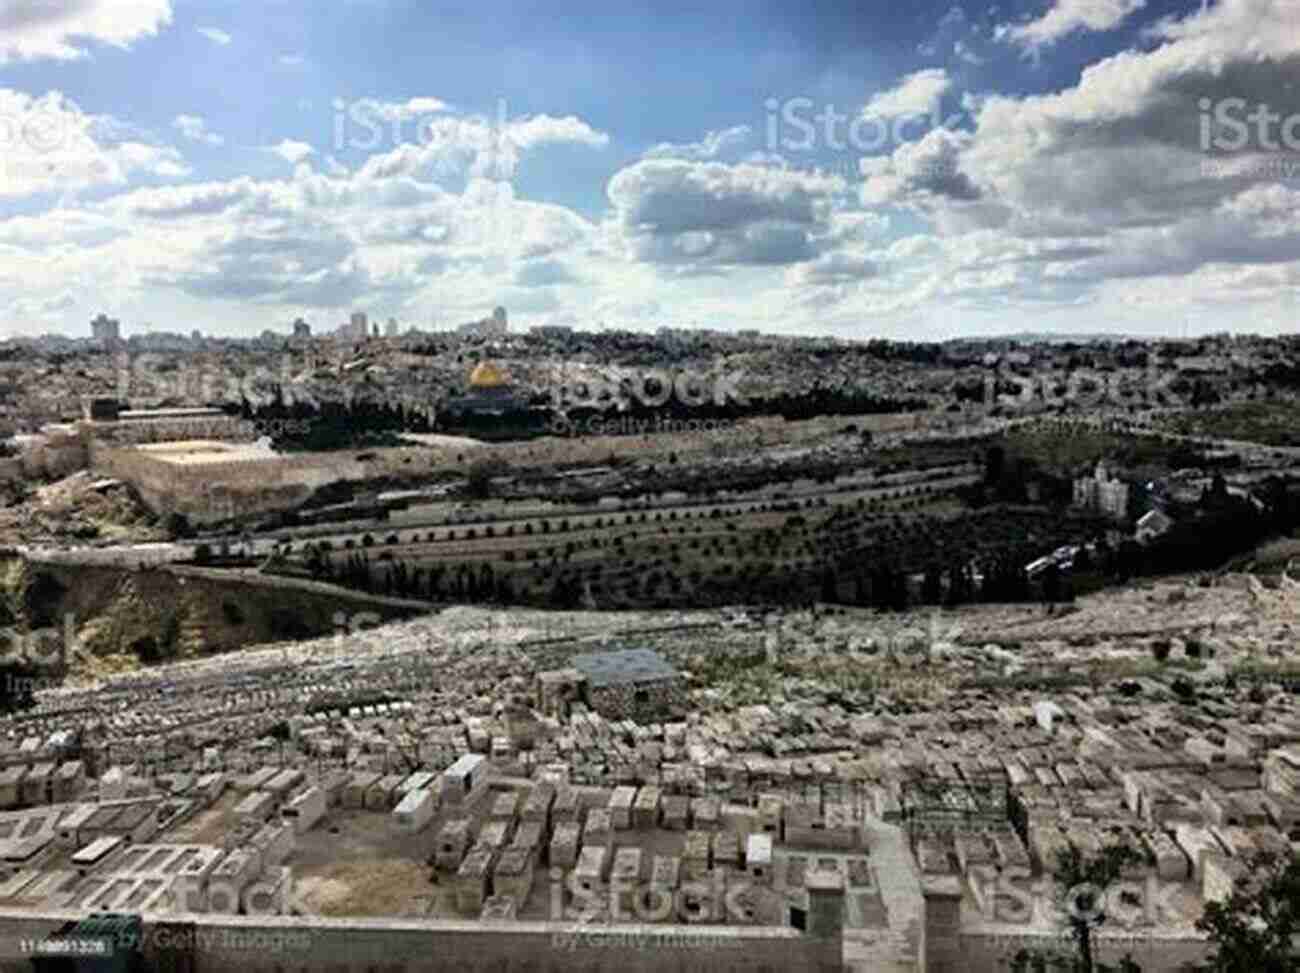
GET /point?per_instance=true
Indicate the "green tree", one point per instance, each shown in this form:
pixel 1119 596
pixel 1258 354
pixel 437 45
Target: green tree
pixel 178 526
pixel 1081 881
pixel 478 483
pixel 1254 929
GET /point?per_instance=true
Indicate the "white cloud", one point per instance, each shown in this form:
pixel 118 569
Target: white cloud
pixel 291 151
pixel 291 60
pixel 38 29
pixel 962 51
pixel 840 266
pixel 312 240
pixel 50 145
pixel 1067 16
pixel 930 166
pixel 530 132
pixel 216 35
pixel 411 108
pixel 916 94
pixel 672 211
pixel 449 144
pixel 195 129
pixel 710 147
pixel 1112 170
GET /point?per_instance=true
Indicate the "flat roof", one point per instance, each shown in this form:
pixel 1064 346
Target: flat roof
pixel 623 667
pixel 465 764
pixel 96 850
pixel 186 451
pixel 171 413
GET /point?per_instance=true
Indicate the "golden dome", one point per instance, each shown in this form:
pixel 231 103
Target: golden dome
pixel 487 376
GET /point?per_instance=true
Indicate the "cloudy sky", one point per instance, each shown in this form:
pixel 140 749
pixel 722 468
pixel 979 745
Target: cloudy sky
pixel 918 170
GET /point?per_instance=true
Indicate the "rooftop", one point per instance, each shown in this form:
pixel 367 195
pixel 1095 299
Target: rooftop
pixel 187 451
pixel 623 667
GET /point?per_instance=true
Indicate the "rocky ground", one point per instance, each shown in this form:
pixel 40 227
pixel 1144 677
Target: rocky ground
pixel 78 509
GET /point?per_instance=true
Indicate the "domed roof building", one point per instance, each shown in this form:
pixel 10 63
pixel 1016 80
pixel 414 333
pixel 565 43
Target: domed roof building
pixel 490 393
pixel 487 376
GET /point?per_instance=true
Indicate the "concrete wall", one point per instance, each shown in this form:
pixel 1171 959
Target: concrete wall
pixel 161 430
pixel 950 949
pixel 1153 952
pixel 263 945
pixel 213 492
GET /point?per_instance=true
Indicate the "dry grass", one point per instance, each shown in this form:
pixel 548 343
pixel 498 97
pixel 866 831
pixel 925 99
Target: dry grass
pixel 384 887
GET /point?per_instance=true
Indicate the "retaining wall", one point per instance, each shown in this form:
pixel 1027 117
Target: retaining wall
pixel 264 945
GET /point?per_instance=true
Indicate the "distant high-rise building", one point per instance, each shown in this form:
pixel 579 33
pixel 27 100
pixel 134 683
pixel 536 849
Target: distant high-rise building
pixel 360 325
pixel 552 330
pixel 494 327
pixel 196 336
pixel 390 329
pixel 105 329
pixel 301 329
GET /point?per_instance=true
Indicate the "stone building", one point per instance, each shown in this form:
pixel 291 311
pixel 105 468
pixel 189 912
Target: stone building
pixel 635 684
pixel 1102 492
pixel 496 326
pixel 106 330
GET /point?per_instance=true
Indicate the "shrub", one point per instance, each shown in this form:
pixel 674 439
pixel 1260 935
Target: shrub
pixel 178 525
pixel 1160 650
pixel 232 613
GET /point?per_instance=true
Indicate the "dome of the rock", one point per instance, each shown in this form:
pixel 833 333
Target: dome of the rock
pixel 487 376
